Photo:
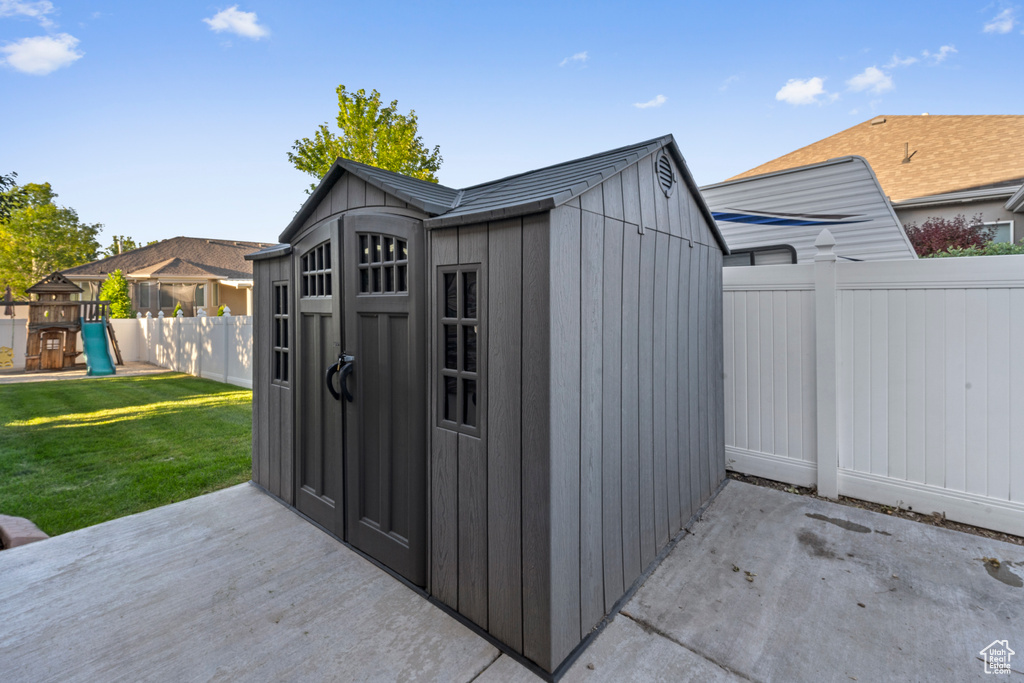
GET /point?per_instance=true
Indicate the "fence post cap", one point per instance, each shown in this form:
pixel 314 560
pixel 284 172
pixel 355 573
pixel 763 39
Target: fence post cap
pixel 149 314
pixel 179 314
pixel 201 312
pixel 227 311
pixel 825 242
pixel 160 314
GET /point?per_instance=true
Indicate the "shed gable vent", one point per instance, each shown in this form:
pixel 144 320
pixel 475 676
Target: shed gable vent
pixel 666 176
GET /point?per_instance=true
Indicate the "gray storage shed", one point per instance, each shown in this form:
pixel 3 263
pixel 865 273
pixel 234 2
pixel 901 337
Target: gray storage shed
pixel 529 380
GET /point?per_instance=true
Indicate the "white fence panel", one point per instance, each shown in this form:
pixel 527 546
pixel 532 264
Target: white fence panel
pixel 13 338
pixel 218 348
pixel 927 382
pixel 770 409
pixel 239 351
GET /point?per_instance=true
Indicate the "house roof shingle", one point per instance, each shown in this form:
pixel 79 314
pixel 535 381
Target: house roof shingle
pixel 948 153
pixel 178 257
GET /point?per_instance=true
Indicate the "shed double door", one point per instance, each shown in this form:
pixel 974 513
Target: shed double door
pixel 369 453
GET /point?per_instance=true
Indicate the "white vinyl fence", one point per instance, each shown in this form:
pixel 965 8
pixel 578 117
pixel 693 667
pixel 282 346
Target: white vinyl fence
pixel 215 347
pixel 896 382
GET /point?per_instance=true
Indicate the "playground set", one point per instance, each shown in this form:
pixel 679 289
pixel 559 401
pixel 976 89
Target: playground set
pixel 54 321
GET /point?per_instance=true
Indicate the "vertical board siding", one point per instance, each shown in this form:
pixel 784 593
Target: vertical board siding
pixel 612 414
pixel 536 430
pixel 645 373
pixel 659 404
pixel 687 503
pixel 504 402
pixel 671 373
pixel 928 381
pixel 272 453
pixel 472 460
pixel 564 264
pixel 444 471
pixel 630 480
pixel 702 329
pixel 592 598
pixel 695 455
pixel 631 196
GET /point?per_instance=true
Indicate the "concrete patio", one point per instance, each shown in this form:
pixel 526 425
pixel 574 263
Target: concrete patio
pixel 233 586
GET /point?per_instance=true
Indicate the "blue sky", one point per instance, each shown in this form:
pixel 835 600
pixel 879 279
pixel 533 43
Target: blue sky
pixel 165 119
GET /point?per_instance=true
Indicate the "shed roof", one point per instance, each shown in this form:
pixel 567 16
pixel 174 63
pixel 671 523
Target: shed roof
pixel 516 195
pixel 52 283
pixel 178 257
pixel 948 153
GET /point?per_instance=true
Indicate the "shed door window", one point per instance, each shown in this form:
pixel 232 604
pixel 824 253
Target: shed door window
pixel 315 271
pixel 383 264
pixel 280 331
pixel 460 363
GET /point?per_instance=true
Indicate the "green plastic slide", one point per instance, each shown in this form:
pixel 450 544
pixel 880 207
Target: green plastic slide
pixel 97 355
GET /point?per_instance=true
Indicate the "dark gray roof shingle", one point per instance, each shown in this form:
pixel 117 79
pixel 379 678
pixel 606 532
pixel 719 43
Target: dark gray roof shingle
pixel 534 191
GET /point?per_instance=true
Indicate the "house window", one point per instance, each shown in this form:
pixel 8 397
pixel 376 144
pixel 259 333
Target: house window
pixel 315 271
pixel 460 361
pixel 280 305
pixel 1002 231
pixel 144 295
pixel 166 296
pixel 383 265
pixel 173 294
pixel 200 295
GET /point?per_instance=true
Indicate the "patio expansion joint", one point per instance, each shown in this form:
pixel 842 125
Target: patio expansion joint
pixel 651 628
pixel 478 674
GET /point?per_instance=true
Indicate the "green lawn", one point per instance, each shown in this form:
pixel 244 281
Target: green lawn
pixel 78 452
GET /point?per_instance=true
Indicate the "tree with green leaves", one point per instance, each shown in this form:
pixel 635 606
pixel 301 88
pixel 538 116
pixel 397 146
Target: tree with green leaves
pixel 120 244
pixel 39 237
pixel 371 134
pixel 10 197
pixel 115 290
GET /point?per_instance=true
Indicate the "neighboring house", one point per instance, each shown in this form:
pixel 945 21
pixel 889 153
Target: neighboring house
pixel 934 166
pixel 775 217
pixel 195 272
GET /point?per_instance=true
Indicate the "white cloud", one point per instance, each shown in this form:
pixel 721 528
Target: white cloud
pixel 41 55
pixel 1002 22
pixel 579 57
pixel 871 79
pixel 798 91
pixel 940 56
pixel 656 102
pixel 235 21
pixel 897 61
pixel 727 82
pixel 33 10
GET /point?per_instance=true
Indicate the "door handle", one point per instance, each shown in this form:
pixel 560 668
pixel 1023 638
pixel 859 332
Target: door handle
pixel 344 366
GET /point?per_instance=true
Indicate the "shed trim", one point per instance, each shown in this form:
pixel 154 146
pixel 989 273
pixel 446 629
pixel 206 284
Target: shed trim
pixel 276 251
